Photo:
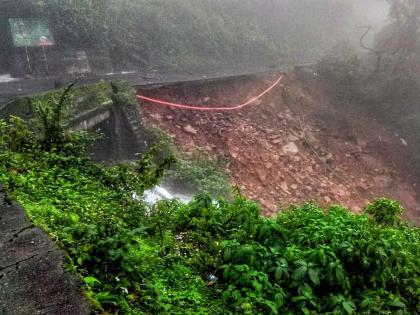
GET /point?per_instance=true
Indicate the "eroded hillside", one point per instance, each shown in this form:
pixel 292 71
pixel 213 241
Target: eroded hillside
pixel 298 143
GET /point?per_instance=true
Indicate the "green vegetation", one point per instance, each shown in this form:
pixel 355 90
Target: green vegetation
pixel 80 98
pixel 191 34
pixel 196 173
pixel 208 256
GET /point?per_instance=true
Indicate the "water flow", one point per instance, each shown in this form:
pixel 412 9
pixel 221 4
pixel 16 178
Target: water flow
pixel 158 193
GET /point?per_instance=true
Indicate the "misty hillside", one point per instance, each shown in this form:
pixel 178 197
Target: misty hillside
pixel 195 34
pixel 209 157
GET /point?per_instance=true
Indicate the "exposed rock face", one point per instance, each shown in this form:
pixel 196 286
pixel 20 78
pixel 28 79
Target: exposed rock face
pixel 32 278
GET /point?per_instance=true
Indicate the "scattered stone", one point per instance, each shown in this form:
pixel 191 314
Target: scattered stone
pixel 257 102
pixel 189 129
pixel 285 187
pixel 276 141
pixel 292 138
pixel 290 148
pixel 342 193
pixel 261 176
pixel 383 181
pixel 327 199
pixel 294 186
pixel 156 116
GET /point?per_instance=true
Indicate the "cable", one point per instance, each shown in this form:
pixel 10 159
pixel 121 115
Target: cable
pixel 195 107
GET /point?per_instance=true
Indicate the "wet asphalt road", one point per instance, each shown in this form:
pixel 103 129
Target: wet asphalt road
pixel 24 87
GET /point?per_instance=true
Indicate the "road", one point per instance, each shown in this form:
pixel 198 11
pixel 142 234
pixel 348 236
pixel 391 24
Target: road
pixel 24 87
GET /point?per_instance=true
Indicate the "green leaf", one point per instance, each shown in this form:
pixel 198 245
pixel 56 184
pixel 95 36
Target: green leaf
pixel 313 274
pixel 73 217
pixel 365 303
pixel 349 307
pixel 339 275
pixel 227 254
pixel 90 280
pixel 80 260
pixel 272 306
pixel 396 303
pixel 278 273
pixel 299 273
pixel 279 298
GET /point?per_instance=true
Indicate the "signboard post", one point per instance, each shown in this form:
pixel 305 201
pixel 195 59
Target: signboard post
pixel 31 32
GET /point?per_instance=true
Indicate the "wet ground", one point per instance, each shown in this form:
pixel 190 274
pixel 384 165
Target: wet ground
pixel 296 144
pixel 11 88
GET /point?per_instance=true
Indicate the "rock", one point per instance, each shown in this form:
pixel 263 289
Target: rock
pixel 383 181
pixel 257 102
pixel 276 141
pixel 261 176
pixel 290 148
pixel 284 187
pixel 292 138
pixel 294 186
pixel 156 116
pixel 343 193
pixel 33 279
pixel 189 129
pixel 327 199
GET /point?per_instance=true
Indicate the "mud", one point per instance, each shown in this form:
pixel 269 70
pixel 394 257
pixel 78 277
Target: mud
pixel 297 144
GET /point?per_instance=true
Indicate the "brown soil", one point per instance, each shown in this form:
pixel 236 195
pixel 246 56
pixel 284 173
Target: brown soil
pixel 294 145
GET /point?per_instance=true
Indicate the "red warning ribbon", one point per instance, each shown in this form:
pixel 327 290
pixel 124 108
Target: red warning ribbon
pixel 205 108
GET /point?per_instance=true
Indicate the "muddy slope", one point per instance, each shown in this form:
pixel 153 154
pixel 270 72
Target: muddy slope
pixel 295 144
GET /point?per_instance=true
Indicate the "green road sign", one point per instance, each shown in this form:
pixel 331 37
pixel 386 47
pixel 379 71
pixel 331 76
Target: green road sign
pixel 31 32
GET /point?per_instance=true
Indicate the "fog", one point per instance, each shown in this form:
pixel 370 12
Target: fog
pixel 45 43
pixel 209 157
pixel 130 35
pixel 372 13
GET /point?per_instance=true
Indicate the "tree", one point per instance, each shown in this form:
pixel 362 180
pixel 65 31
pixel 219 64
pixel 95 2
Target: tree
pixel 400 40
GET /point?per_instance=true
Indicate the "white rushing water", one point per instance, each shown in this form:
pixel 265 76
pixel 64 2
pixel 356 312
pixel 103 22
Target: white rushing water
pixel 4 78
pixel 158 193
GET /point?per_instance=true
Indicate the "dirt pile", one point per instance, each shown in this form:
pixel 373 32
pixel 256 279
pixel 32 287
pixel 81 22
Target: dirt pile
pixel 294 145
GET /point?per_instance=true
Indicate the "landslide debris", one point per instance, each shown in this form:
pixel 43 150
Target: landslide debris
pixel 296 144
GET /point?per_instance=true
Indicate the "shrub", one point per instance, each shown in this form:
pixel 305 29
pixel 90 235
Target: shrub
pixel 211 256
pixel 385 211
